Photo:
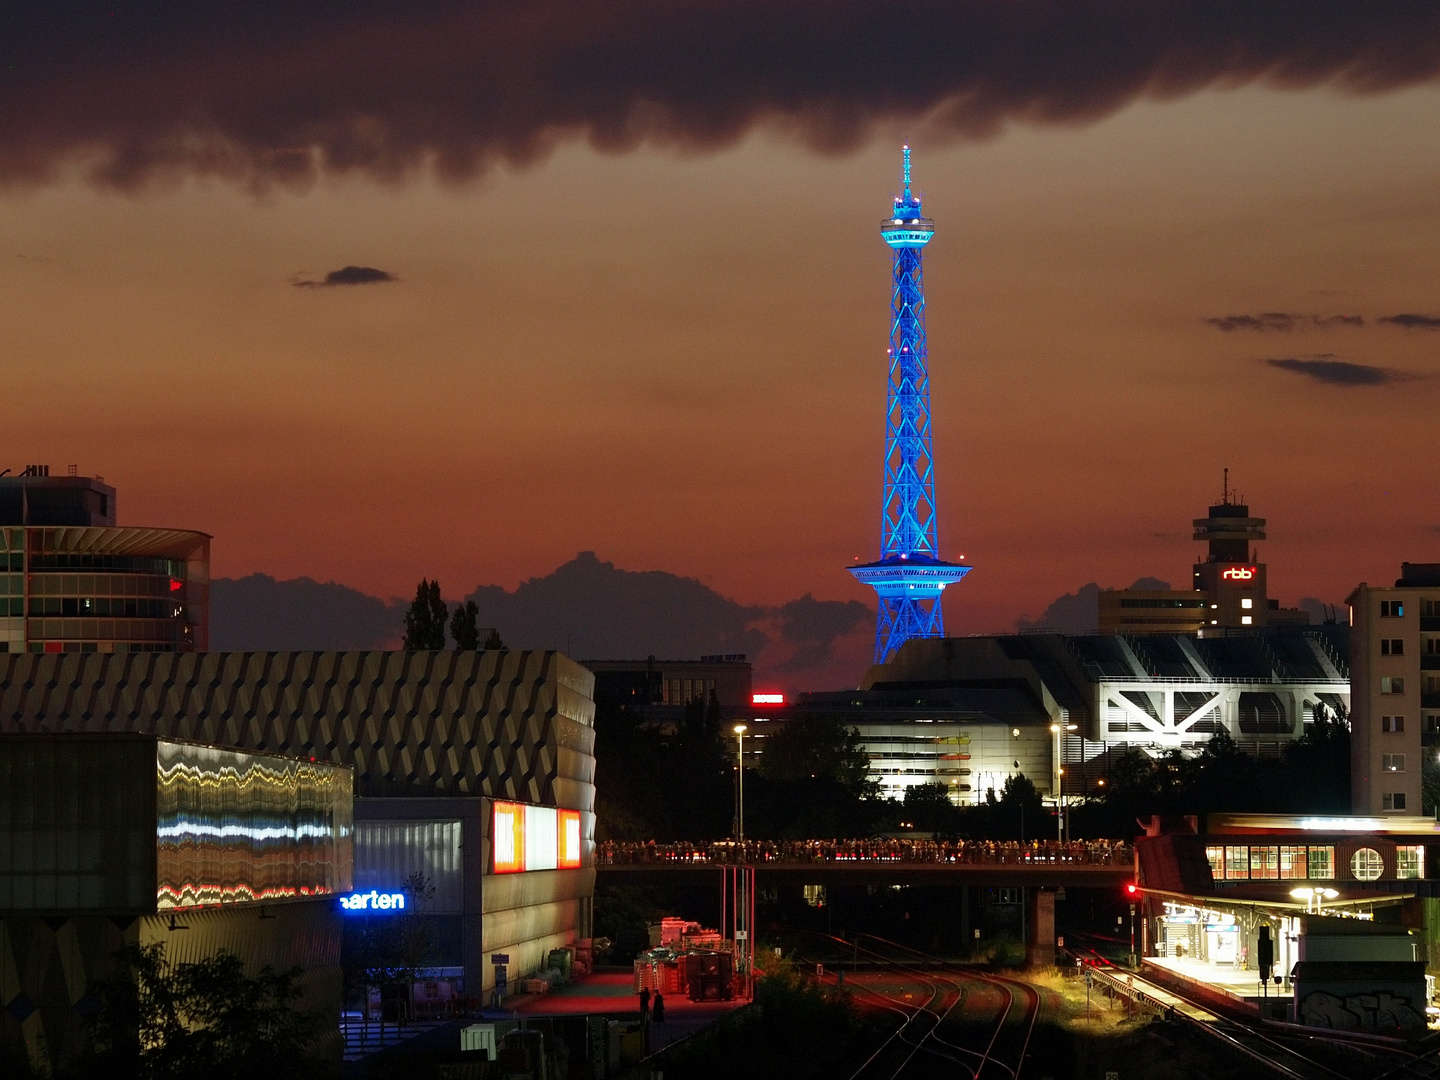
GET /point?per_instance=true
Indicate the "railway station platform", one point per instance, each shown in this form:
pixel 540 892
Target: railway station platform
pixel 1221 985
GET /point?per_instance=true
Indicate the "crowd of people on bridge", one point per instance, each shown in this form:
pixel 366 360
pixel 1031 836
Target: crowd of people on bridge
pixel 751 852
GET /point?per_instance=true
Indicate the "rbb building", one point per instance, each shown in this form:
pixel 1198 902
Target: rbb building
pixel 473 773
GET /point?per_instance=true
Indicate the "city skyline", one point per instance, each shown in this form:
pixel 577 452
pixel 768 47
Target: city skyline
pixel 675 362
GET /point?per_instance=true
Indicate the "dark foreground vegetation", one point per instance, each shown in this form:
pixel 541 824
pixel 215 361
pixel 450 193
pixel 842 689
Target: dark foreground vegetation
pixel 654 783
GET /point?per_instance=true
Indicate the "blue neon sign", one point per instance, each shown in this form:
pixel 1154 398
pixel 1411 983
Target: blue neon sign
pixel 373 901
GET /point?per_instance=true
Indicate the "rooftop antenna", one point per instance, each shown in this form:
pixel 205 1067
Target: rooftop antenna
pixel 905 172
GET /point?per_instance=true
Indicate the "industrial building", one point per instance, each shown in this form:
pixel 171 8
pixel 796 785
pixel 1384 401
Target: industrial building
pixel 971 739
pixel 1084 698
pixel 660 690
pixel 449 750
pixel 1395 688
pixel 71 580
pixel 109 840
pixel 1228 587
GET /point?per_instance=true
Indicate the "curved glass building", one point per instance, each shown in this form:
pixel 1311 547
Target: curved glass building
pixel 71 580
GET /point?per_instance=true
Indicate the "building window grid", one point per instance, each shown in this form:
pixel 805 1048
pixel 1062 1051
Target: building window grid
pixel 1293 863
pixel 1260 862
pixel 1264 863
pixel 1321 862
pixel 1409 862
pixel 1393 763
pixel 1394 724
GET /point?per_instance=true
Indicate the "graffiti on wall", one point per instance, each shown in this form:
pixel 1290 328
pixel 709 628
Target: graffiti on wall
pixel 1380 1011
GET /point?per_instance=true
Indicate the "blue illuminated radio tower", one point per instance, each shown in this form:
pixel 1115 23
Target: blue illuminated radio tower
pixel 910 575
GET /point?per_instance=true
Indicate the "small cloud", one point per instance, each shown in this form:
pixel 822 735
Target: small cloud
pixel 1412 321
pixel 1269 320
pixel 349 275
pixel 1283 321
pixel 1325 369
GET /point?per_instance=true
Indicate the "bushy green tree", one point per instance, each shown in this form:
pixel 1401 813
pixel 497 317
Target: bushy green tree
pixel 163 1021
pixel 425 619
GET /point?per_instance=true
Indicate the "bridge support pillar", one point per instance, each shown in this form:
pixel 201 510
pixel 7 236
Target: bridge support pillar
pixel 1040 942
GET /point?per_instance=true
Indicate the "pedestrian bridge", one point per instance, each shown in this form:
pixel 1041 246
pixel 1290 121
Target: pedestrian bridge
pixel 1079 864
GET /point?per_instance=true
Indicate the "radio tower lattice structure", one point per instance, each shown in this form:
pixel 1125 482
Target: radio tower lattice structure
pixel 910 576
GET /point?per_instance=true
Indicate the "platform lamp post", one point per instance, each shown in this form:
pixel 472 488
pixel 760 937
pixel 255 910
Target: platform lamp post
pixel 742 901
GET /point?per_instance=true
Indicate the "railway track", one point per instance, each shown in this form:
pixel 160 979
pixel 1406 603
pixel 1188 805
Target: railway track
pixel 1267 1045
pixel 934 1038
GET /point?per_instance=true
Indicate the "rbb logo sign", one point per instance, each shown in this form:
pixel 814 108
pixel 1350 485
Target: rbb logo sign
pixel 1238 573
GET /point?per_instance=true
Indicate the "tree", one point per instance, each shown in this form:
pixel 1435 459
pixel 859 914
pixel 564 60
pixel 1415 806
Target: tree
pixel 163 1021
pixel 463 628
pixel 819 746
pixel 425 620
pixel 929 809
pixel 492 640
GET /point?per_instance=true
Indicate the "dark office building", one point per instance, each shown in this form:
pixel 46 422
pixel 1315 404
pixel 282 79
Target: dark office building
pixel 660 689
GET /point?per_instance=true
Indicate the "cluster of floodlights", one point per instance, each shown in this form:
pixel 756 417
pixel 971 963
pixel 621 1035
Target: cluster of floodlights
pixel 1313 896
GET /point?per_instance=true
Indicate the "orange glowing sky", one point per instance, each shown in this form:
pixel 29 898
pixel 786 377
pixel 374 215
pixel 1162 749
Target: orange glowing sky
pixel 677 360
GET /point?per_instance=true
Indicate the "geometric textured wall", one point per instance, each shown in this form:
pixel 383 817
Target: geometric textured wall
pixel 509 725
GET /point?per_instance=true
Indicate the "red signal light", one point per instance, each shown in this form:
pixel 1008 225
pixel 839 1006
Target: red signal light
pixel 1131 889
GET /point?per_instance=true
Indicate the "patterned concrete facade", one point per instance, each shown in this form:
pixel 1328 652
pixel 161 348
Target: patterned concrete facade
pixel 508 725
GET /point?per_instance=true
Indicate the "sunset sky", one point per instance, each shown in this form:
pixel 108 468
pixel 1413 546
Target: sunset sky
pixel 666 342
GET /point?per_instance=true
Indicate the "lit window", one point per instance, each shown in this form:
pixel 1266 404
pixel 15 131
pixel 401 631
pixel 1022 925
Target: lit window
pixel 1392 762
pixel 1366 864
pixel 1292 863
pixel 1392 684
pixel 1246 620
pixel 1237 863
pixel 1322 862
pixel 1247 603
pixel 1264 863
pixel 1410 861
pixel 1216 855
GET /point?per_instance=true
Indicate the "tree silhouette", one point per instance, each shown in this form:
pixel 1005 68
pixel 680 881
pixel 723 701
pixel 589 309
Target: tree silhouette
pixel 463 629
pixel 425 620
pixel 157 1020
pixel 492 640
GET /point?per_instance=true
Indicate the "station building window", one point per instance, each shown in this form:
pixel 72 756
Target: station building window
pixel 1292 862
pixel 1322 862
pixel 1410 861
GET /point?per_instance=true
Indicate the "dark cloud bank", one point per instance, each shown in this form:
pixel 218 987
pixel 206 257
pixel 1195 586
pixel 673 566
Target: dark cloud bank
pixel 587 608
pixel 275 92
pixel 1283 321
pixel 1323 369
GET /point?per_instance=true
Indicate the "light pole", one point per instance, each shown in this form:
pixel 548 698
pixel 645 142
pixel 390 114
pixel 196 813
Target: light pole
pixel 740 790
pixel 742 898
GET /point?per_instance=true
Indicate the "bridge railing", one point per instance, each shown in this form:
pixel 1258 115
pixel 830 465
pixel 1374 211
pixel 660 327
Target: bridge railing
pixel 1113 853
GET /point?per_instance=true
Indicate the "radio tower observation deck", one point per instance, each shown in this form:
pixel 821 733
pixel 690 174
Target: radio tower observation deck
pixel 910 576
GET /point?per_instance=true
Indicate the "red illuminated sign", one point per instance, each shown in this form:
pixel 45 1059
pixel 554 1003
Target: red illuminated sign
pixel 507 838
pixel 568 824
pixel 1238 573
pixel 767 699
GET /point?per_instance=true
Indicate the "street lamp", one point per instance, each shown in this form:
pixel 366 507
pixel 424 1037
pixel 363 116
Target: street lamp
pixel 740 791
